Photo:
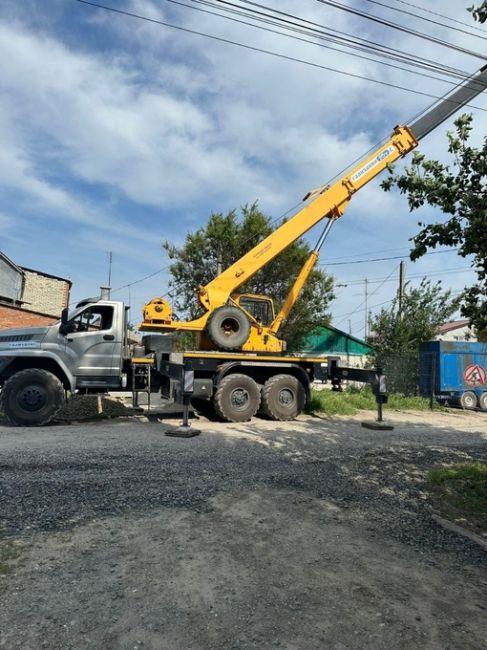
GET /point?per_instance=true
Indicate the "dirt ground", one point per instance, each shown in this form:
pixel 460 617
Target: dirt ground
pixel 304 535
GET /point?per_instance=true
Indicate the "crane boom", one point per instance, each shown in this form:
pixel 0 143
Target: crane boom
pixel 329 201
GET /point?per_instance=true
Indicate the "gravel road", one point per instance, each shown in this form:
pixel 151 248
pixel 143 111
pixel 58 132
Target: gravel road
pixel 303 535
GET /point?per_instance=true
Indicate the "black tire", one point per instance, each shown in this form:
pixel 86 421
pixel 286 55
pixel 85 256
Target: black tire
pixel 283 397
pixel 32 397
pixel 483 402
pixel 237 398
pixel 203 406
pixel 468 400
pixel 228 328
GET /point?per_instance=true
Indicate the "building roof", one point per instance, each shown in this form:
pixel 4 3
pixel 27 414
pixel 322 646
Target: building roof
pixel 47 275
pixel 453 325
pixel 329 339
pixel 9 262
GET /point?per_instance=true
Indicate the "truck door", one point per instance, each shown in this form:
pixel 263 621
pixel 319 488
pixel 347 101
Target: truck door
pixel 94 347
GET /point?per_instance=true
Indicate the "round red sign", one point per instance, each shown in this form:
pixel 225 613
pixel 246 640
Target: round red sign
pixel 475 375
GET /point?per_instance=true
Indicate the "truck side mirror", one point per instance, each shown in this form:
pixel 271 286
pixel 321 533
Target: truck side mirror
pixel 65 326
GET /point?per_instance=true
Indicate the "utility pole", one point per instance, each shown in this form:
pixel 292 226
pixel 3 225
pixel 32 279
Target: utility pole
pixel 402 282
pixel 366 309
pixel 109 285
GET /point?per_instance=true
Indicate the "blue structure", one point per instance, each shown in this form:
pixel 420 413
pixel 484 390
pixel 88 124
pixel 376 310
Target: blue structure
pixel 456 371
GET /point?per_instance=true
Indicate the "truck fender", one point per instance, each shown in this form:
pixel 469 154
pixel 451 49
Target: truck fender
pixel 37 358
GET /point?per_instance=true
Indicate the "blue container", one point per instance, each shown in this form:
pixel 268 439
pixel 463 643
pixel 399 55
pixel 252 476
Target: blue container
pixel 456 370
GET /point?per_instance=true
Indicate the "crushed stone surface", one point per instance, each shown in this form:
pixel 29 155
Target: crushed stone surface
pixel 309 534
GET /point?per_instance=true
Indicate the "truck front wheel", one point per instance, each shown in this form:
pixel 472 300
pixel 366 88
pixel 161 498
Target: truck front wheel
pixel 283 397
pixel 32 397
pixel 237 398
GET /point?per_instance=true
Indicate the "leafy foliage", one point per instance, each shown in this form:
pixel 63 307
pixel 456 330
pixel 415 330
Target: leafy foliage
pixel 480 12
pixel 225 239
pixel 424 309
pixel 351 400
pixel 458 190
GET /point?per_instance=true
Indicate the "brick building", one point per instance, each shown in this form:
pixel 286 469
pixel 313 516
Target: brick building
pixel 30 298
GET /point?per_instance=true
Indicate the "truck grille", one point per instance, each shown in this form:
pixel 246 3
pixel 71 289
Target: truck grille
pixel 21 337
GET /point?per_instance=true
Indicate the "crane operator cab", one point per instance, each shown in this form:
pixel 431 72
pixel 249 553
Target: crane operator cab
pixel 260 308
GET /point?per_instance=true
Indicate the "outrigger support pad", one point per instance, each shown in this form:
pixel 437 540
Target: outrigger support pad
pixel 185 383
pixel 379 388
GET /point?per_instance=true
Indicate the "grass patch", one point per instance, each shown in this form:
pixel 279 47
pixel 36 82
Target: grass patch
pixel 462 491
pixel 8 552
pixel 351 400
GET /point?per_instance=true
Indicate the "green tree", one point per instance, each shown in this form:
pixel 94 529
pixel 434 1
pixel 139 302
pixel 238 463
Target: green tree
pixel 480 12
pixel 458 190
pixel 224 240
pixel 424 309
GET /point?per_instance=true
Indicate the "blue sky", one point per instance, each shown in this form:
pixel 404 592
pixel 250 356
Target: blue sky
pixel 118 134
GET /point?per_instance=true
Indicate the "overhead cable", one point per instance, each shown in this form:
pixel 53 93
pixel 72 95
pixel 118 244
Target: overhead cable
pixel 435 13
pixel 262 50
pixel 402 28
pixel 369 295
pixel 352 41
pixel 382 259
pixel 315 34
pixel 429 20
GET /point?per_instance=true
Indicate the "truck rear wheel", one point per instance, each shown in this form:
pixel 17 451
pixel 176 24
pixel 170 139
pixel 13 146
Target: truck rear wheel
pixel 468 400
pixel 32 397
pixel 237 398
pixel 283 397
pixel 483 401
pixel 228 328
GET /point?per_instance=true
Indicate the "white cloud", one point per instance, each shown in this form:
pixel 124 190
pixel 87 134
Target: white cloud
pixel 136 132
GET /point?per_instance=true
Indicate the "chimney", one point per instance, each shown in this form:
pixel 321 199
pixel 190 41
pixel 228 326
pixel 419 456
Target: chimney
pixel 105 293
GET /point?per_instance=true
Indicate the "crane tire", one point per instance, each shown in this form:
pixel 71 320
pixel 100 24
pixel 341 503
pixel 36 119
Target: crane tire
pixel 483 401
pixel 283 397
pixel 468 400
pixel 32 397
pixel 237 398
pixel 228 328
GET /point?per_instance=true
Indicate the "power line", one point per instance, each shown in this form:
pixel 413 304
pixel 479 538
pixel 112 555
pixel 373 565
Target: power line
pixel 357 281
pixel 429 20
pixel 344 39
pixel 390 250
pixel 310 42
pixel 261 50
pixel 435 13
pixel 401 28
pixel 369 295
pixel 146 277
pixel 383 259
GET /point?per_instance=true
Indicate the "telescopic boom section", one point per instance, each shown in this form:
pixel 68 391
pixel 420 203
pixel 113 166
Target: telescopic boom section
pixel 325 202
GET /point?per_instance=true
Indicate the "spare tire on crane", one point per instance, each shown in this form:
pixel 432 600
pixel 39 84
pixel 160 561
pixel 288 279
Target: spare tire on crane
pixel 228 328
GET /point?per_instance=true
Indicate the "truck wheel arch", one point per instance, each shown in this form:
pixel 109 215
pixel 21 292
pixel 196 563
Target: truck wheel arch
pixel 47 363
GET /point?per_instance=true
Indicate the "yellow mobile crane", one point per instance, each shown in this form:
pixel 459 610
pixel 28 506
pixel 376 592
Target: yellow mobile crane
pixel 247 322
